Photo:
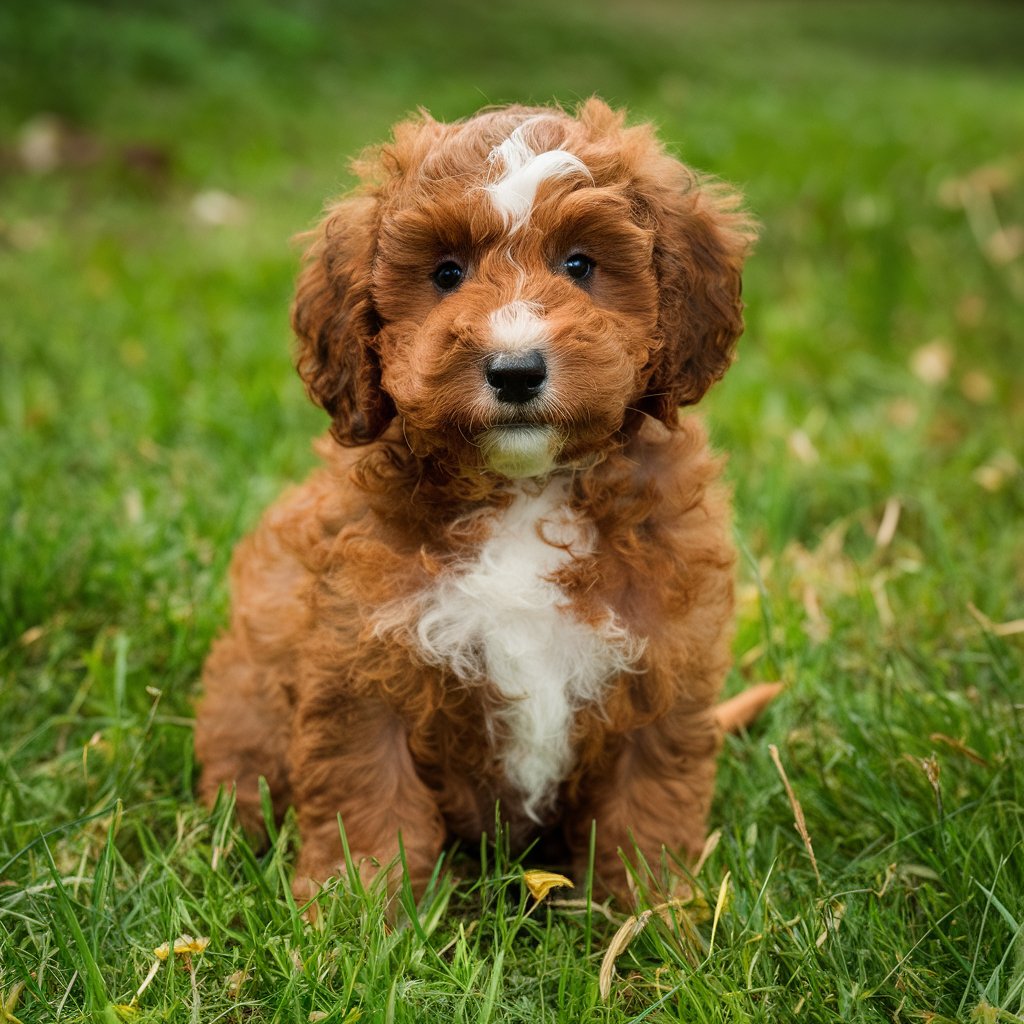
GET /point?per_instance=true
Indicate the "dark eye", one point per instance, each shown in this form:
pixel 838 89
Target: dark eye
pixel 578 266
pixel 448 275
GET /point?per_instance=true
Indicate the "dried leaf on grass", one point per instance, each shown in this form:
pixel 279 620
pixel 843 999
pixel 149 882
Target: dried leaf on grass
pixel 691 909
pixel 999 471
pixel 833 913
pixel 540 883
pixel 802 448
pixel 694 909
pixel 959 746
pixel 627 932
pixel 798 811
pixel 932 772
pixel 977 387
pixel 235 982
pixel 184 946
pixel 933 362
pixel 890 520
pixel 712 841
pixel 720 904
pixel 1001 629
pixel 145 981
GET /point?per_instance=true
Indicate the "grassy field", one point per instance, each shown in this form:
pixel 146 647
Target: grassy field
pixel 155 160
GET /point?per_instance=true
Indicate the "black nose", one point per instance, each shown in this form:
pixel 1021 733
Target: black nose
pixel 517 377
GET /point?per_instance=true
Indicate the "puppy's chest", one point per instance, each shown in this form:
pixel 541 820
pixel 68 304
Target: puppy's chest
pixel 501 618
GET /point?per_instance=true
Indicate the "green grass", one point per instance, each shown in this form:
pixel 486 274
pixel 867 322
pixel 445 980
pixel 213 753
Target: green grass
pixel 148 412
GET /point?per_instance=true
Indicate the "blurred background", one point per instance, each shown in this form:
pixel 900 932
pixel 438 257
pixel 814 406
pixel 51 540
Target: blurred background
pixel 156 160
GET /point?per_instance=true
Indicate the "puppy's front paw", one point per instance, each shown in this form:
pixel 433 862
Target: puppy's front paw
pixel 312 875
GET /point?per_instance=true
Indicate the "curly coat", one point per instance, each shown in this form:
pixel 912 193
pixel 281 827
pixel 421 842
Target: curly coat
pixel 480 598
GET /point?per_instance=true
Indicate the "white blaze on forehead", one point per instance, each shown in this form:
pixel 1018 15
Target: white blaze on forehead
pixel 523 171
pixel 518 327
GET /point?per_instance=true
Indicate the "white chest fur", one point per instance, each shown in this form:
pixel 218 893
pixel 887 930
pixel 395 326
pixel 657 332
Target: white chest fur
pixel 502 618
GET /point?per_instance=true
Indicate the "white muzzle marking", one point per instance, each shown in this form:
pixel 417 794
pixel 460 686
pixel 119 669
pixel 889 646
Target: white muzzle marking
pixel 518 327
pixel 519 450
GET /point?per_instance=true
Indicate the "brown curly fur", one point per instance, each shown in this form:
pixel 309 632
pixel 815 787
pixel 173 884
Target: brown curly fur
pixel 344 718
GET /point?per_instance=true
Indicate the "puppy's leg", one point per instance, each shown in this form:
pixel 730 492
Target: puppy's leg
pixel 350 758
pixel 242 732
pixel 658 793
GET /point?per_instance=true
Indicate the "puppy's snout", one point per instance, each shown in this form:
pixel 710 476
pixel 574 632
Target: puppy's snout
pixel 516 377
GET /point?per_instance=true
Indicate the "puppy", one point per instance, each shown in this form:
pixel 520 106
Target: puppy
pixel 511 581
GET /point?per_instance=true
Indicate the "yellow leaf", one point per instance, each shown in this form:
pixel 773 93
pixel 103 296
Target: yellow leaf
pixel 10 1002
pixel 182 944
pixel 540 883
pixel 720 904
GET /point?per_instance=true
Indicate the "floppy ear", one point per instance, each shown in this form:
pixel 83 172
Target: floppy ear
pixel 335 322
pixel 701 240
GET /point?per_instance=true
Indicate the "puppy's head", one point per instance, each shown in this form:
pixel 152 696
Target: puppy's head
pixel 518 288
